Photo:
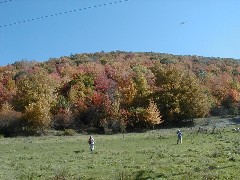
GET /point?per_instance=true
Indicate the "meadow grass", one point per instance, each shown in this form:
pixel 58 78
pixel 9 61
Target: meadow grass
pixel 150 155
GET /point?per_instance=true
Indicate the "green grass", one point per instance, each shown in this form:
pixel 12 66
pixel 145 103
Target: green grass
pixel 150 155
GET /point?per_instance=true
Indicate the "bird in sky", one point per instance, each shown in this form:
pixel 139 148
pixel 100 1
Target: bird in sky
pixel 182 22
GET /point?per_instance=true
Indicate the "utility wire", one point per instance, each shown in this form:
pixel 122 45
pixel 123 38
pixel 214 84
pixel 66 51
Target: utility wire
pixel 61 13
pixel 1 2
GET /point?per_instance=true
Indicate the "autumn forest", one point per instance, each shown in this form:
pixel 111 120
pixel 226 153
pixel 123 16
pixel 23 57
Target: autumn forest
pixel 115 92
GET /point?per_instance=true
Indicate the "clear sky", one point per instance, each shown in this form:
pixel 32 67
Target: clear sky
pixel 183 27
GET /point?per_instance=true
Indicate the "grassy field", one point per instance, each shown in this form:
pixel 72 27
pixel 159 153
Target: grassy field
pixel 149 155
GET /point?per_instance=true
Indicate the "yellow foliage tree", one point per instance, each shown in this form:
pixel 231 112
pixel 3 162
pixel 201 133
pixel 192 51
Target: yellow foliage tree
pixel 127 90
pixel 34 98
pixel 80 88
pixel 181 95
pixel 152 115
pixel 37 116
pixel 32 87
pixel 142 86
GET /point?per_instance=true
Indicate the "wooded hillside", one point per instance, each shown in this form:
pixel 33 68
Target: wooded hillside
pixel 115 91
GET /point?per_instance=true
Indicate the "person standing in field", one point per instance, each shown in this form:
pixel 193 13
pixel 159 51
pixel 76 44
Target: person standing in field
pixel 91 142
pixel 179 136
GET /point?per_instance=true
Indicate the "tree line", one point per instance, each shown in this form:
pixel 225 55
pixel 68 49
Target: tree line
pixel 115 92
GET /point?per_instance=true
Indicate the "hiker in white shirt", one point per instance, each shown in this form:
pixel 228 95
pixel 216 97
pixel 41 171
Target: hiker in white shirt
pixel 91 143
pixel 179 135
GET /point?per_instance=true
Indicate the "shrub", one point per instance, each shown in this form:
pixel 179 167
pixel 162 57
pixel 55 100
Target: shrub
pixel 69 132
pixel 144 118
pixel 137 118
pixel 113 125
pixel 218 111
pixel 63 120
pixel 10 124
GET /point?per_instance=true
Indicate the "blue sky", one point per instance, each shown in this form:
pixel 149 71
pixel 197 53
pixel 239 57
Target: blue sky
pixel 211 28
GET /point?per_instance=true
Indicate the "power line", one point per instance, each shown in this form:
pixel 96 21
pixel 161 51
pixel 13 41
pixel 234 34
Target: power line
pixel 61 13
pixel 1 2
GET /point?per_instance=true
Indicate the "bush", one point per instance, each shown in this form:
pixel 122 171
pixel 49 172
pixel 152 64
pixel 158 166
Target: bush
pixel 63 120
pixel 233 110
pixel 69 132
pixel 10 124
pixel 218 111
pixel 141 118
pixel 113 125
